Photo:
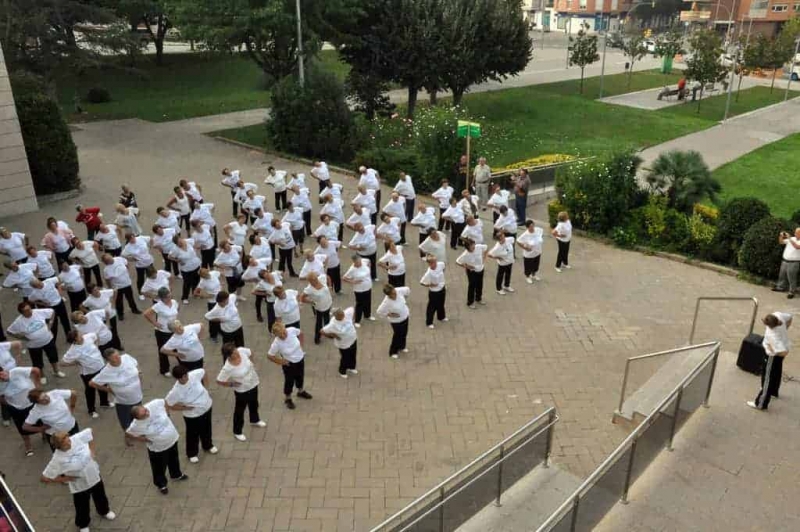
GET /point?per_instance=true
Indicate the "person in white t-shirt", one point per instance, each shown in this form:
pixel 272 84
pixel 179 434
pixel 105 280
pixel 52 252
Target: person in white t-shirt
pixel 473 229
pixel 118 278
pixel 267 281
pixel 162 241
pixel 33 326
pixel 435 244
pixel 72 280
pixel 230 179
pixel 454 216
pixel 85 254
pixel 433 279
pixel 287 351
pixel 163 312
pixel 531 243
pixel 424 220
pixel 503 253
pixel 84 353
pixel 52 412
pixel 345 337
pixel 185 345
pixel 19 277
pixel 154 280
pixel 50 294
pixel 151 424
pixel 137 250
pixel 395 264
pixel 563 234
pixel 360 277
pixel 15 383
pixel 208 288
pixel 185 254
pixel 443 195
pixel 121 378
pixel 364 243
pixel 190 396
pixel 239 373
pixel 283 239
pixel 405 187
pixel 9 359
pixel 13 245
pixel 227 315
pixel 473 260
pixel 108 238
pixel 321 173
pixel 777 345
pixel 318 294
pixel 790 265
pixel 330 249
pixel 395 309
pixel 74 463
pixel 277 180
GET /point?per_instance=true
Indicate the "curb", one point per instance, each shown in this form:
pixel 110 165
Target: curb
pixel 60 196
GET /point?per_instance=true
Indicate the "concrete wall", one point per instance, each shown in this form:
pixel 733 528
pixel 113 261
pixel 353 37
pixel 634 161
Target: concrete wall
pixel 16 188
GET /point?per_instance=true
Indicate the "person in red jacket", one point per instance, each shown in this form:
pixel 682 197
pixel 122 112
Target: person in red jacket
pixel 91 217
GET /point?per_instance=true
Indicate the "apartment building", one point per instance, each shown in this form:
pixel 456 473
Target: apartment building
pixel 568 15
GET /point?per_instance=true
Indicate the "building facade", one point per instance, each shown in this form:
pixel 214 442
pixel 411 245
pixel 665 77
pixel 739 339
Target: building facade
pixel 568 15
pixel 742 16
pixel 16 187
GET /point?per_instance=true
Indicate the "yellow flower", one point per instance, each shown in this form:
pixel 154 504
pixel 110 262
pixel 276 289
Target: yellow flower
pixel 541 160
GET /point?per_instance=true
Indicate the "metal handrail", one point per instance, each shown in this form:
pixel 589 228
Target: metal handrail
pixel 697 311
pixel 652 355
pixel 577 495
pixel 552 418
pixel 26 522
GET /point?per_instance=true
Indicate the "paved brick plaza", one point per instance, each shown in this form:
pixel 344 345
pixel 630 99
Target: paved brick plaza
pixel 365 447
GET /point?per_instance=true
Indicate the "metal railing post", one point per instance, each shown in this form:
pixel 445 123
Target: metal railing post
pixel 715 298
pixel 441 509
pixel 694 320
pixel 675 419
pixel 624 385
pixel 575 503
pixel 550 431
pixel 711 377
pixel 500 477
pixel 628 473
pixel 755 311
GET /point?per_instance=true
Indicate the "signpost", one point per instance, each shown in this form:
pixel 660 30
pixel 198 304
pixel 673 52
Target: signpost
pixel 468 130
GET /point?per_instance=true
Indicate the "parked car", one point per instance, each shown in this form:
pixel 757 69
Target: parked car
pixel 650 45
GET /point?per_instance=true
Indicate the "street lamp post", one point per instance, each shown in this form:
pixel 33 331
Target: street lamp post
pixel 301 66
pixel 791 69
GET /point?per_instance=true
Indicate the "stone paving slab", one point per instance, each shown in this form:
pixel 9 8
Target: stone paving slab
pixel 365 447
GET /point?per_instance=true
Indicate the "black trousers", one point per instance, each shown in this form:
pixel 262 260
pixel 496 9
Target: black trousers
pixel 141 275
pixel 127 293
pixel 397 280
pixel 341 231
pixel 198 432
pixel 90 393
pixel 163 360
pixel 322 317
pixel 81 500
pixel 348 358
pixel 87 275
pixel 183 220
pixel 207 257
pixel 237 337
pixel 162 461
pixel 455 233
pixel 422 237
pixel 213 326
pixel 373 264
pixel 435 306
pixel 531 265
pixel 195 364
pixel 474 286
pixel 170 265
pixel 770 381
pixel 259 302
pixel 293 376
pixel 234 203
pixel 37 354
pixel 62 257
pixel 115 341
pixel 307 220
pixel 335 274
pixel 410 207
pixel 234 283
pixel 503 277
pixel 270 315
pixel 190 281
pixel 286 261
pixel 61 315
pixel 443 224
pixel 280 201
pixel 363 305
pixel 399 334
pixel 245 400
pixel 402 233
pixel 114 252
pixel 563 254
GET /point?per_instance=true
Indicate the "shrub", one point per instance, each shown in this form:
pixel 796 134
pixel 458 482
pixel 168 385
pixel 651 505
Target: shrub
pixel 390 162
pixel 795 219
pixel 98 95
pixel 313 121
pixel 52 156
pixel 701 234
pixel 707 213
pixel 598 194
pixel 624 237
pixel 760 253
pixel 677 229
pixel 655 214
pixel 24 83
pixel 735 218
pixel 553 208
pixel 684 178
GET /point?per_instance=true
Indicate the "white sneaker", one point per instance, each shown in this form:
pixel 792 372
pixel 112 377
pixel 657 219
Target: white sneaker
pixel 194 459
pixel 481 302
pixel 358 325
pixel 558 270
pixel 446 319
pixel 95 415
pixel 371 318
pixel 353 371
pixel 84 529
pixel 185 301
pixel 43 380
pixel 473 307
pixel 343 375
pixel 377 279
pixel 240 437
pixel 537 278
pixel 567 266
pixel 405 350
pixel 529 280
pixel 240 298
pixel 110 516
pixel 168 374
pixel 260 423
pixel 509 289
pixel 6 423
pixel 500 292
pixel 141 297
pixel 179 276
pixel 213 450
pixel 111 404
pixel 431 326
pixel 60 374
pixel 752 404
pixel 395 356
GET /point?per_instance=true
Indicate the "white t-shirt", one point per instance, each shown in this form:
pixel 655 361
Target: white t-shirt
pixel 534 240
pixel 211 286
pixel 187 259
pixel 329 230
pixel 238 233
pixel 7 360
pixel 103 301
pixel 230 262
pixel 344 329
pixel 443 194
pixel 139 251
pixel 245 373
pixel 473 258
pixel 48 293
pixel 437 248
pixel 14 246
pixel 262 251
pixel 193 394
pixel 791 253
pixel 396 209
pixel 364 243
pixel 205 213
pixel 16 389
pixel 161 280
pixel 228 316
pixel 21 278
pixel 263 225
pixel 434 277
pixel 96 325
pixel 776 339
pixel 507 223
pixel 331 253
pixel 425 220
pixel 334 210
pixel 55 413
pixel 167 220
pixel 564 228
pixel 87 256
pixel 288 348
pixel 87 355
pixel 157 427
pixel 42 260
pixel 390 230
pixel 474 232
pixel 203 238
pixel 267 287
pixel 320 297
pixel 164 242
pixel 288 309
pixel 165 314
pixel 503 252
pixel 362 276
pixel 33 329
pixel 395 306
pixel 454 214
pixel 251 273
pixel 187 344
pixel 123 380
pixel 117 274
pixel 396 261
pixel 76 462
pixel 108 240
pixel 405 187
pixel 317 265
pixel 72 279
pixel 282 237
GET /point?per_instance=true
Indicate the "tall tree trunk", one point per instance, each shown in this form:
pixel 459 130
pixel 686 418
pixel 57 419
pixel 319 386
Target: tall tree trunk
pixel 458 96
pixel 700 99
pixel 739 87
pixel 433 97
pixel 159 51
pixel 412 101
pixel 772 86
pixel 582 79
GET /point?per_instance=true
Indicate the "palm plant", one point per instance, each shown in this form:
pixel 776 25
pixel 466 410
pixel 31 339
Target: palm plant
pixel 684 178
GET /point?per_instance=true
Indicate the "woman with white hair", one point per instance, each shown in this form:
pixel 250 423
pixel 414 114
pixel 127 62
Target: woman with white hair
pixel 360 277
pixel 127 220
pixel 185 344
pixel 137 250
pixel 229 262
pixel 395 264
pixel 287 351
pixel 160 315
pixel 345 337
pixel 318 294
pixel 263 291
pixel 395 309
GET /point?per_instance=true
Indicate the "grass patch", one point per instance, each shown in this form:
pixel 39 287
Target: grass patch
pixel 614 84
pixel 186 86
pixel 713 108
pixel 769 173
pixel 254 135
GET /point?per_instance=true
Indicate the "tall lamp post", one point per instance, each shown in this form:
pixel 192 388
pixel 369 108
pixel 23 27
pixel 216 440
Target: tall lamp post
pixel 652 3
pixel 301 66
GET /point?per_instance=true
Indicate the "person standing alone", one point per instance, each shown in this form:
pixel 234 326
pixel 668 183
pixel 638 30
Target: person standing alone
pixel 790 265
pixel 483 176
pixel 776 344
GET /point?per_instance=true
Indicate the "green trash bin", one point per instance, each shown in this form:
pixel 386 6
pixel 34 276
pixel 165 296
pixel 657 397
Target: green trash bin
pixel 666 65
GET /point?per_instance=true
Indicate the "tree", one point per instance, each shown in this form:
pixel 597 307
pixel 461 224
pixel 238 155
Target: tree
pixel 153 14
pixel 775 55
pixel 367 92
pixel 670 43
pixel 583 50
pixel 634 50
pixel 684 178
pixel 704 65
pixel 754 56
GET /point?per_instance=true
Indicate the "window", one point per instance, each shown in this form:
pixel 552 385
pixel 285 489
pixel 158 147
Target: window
pixel 780 8
pixel 797 8
pixel 582 5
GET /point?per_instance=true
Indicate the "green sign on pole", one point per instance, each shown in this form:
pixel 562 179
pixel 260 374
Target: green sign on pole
pixel 468 129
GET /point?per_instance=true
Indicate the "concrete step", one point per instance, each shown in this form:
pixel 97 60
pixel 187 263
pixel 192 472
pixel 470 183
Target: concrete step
pixel 641 403
pixel 527 503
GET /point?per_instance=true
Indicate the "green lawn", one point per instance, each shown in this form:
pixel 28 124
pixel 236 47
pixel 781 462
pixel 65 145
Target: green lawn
pixel 770 173
pixel 614 84
pixel 713 108
pixel 187 85
pixel 255 135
